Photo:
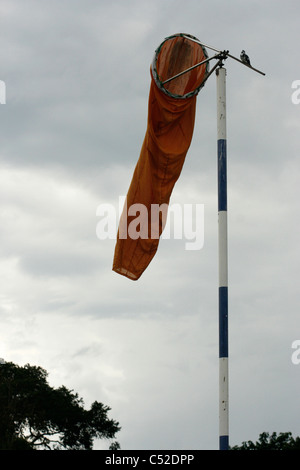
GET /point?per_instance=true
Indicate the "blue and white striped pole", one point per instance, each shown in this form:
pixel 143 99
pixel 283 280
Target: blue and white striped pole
pixel 223 260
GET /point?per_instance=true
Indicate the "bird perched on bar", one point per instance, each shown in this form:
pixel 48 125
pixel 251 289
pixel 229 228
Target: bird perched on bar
pixel 245 58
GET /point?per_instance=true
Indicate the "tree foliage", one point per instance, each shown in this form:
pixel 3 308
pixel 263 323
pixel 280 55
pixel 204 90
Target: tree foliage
pixel 33 415
pixel 282 441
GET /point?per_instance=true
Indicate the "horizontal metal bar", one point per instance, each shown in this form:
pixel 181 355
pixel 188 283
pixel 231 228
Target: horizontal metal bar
pixel 229 55
pixel 249 66
pixel 201 43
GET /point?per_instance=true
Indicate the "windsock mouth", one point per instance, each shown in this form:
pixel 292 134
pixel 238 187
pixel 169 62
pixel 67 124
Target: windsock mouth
pixel 176 54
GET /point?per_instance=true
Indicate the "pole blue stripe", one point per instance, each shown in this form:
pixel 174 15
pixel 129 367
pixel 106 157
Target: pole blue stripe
pixel 223 321
pixel 224 443
pixel 222 175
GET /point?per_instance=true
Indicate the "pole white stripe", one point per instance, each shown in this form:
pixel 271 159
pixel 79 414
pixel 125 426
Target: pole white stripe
pixel 223 404
pixel 221 103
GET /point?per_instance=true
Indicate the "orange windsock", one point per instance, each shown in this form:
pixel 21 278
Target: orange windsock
pixel 171 117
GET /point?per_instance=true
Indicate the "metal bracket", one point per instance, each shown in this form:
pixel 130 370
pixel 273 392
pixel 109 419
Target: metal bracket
pixel 221 56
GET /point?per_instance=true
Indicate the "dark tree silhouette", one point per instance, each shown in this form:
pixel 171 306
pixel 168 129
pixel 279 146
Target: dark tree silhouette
pixel 282 441
pixel 34 415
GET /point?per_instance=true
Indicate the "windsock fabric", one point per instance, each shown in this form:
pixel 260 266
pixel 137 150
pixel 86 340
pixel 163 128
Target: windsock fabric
pixel 170 125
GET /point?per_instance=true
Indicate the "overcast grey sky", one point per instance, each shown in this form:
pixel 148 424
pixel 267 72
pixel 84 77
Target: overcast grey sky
pixel 77 82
